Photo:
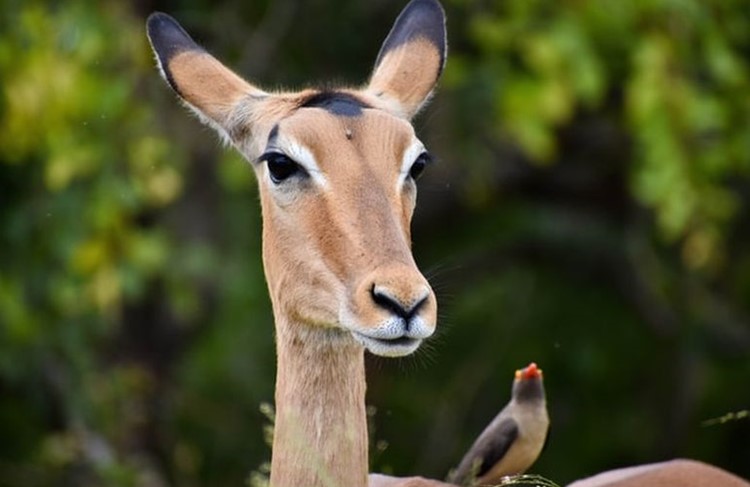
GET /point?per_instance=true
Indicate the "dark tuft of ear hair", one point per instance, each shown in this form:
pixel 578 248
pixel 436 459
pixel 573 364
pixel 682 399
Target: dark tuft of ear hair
pixel 411 59
pixel 419 19
pixel 208 87
pixel 168 38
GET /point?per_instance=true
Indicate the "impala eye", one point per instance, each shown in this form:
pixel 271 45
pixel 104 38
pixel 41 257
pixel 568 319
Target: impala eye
pixel 280 166
pixel 417 168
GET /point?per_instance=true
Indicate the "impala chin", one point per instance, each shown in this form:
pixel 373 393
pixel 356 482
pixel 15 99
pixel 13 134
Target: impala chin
pixel 397 347
pixel 394 337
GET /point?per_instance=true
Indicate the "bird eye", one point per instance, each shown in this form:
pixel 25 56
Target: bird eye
pixel 280 166
pixel 417 168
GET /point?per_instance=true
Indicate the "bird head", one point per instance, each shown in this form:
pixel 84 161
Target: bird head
pixel 528 384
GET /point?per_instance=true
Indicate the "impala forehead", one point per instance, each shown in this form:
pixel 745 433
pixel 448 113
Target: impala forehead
pixel 327 143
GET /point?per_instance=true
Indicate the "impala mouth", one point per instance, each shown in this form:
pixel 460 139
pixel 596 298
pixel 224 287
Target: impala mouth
pixel 388 347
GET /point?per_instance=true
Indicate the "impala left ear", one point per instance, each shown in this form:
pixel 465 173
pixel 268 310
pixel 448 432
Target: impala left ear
pixel 411 58
pixel 211 89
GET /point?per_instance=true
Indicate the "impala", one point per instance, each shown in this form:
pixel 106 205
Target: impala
pixel 336 170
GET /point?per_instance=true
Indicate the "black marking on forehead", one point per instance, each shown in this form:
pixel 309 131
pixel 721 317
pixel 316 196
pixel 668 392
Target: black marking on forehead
pixel 336 103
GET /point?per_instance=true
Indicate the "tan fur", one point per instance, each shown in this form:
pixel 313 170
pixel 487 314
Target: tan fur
pixel 327 246
pixel 396 80
pixel 323 248
pixel 320 436
pixel 673 473
pixel 209 86
pixel 328 239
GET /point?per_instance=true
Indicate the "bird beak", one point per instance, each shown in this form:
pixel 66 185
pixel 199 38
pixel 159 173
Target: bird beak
pixel 530 372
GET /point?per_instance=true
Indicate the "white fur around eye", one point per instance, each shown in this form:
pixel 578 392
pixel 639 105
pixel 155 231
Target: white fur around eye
pixel 302 156
pixel 410 155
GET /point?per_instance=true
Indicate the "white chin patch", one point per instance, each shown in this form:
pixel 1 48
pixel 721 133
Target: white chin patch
pixel 388 348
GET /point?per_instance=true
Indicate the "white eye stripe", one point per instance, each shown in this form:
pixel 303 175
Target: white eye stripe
pixel 302 156
pixel 410 155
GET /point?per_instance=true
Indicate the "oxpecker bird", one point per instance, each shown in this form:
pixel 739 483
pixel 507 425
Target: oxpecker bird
pixel 513 440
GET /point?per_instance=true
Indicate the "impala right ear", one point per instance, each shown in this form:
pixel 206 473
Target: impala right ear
pixel 205 84
pixel 411 58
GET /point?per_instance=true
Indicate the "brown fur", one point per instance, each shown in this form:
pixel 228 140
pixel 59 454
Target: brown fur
pixel 394 78
pixel 674 473
pixel 328 240
pixel 323 248
pixel 208 85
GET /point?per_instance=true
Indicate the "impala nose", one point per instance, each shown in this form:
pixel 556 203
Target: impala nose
pixel 403 303
pixel 392 311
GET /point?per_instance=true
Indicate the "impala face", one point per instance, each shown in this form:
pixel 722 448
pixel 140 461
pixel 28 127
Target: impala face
pixel 339 187
pixel 336 171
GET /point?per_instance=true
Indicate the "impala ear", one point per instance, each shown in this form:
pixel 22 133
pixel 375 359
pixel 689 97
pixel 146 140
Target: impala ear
pixel 206 85
pixel 411 58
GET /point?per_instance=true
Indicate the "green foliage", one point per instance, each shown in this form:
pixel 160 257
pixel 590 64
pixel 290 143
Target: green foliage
pixel 63 98
pixel 672 72
pixel 87 172
pixel 80 164
pixel 731 416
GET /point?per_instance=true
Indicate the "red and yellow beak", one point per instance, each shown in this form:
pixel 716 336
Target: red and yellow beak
pixel 530 372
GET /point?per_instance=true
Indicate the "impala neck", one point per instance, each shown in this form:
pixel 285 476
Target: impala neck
pixel 320 437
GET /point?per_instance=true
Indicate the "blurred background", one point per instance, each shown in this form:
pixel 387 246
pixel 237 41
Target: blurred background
pixel 589 211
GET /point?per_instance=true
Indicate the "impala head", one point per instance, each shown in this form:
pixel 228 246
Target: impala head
pixel 336 170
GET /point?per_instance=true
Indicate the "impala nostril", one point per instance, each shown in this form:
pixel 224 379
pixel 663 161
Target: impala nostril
pixel 388 301
pixel 383 299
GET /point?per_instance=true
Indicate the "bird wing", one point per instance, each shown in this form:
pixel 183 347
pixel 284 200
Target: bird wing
pixel 486 451
pixel 496 445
